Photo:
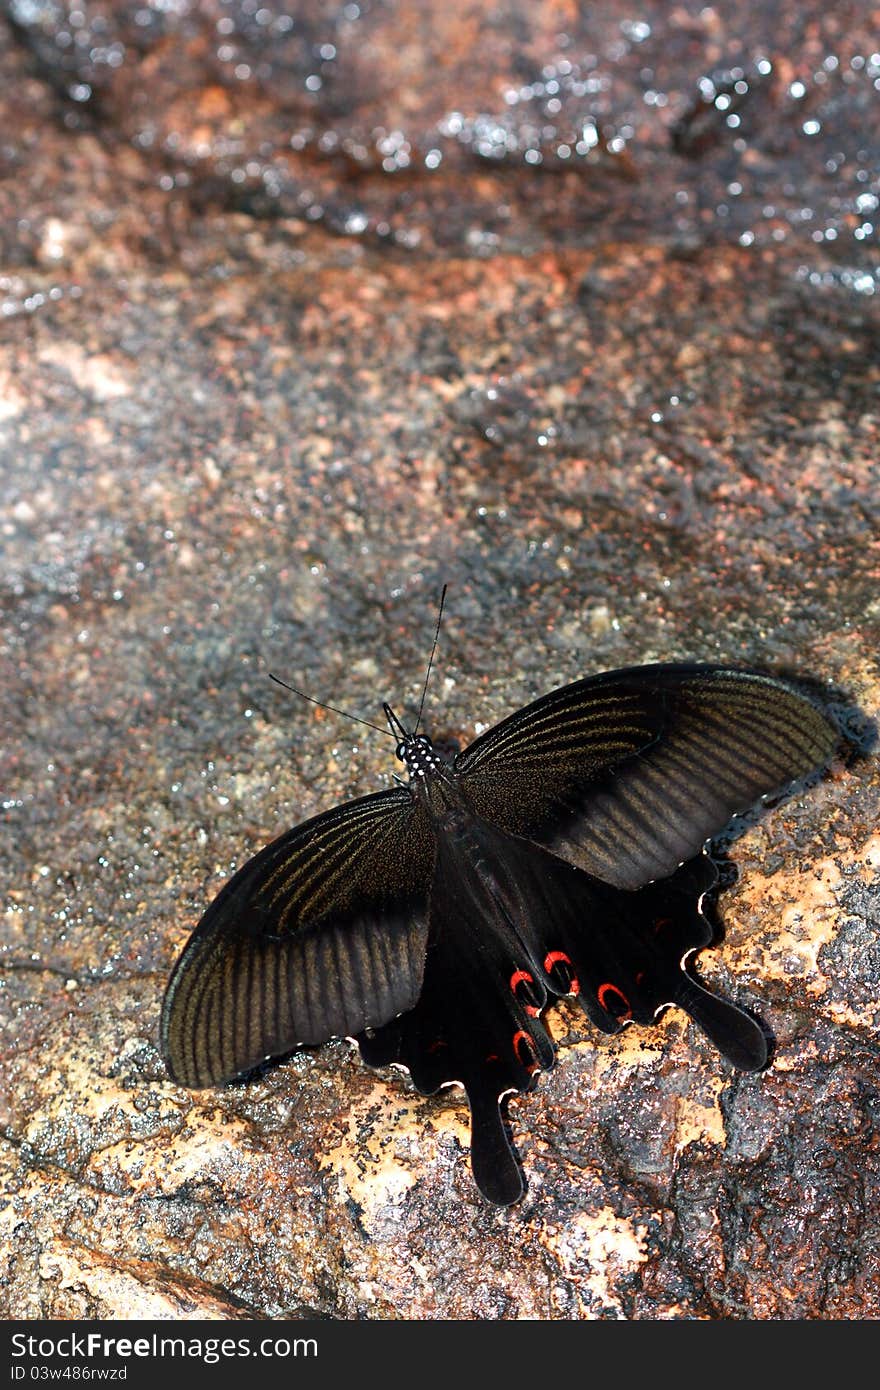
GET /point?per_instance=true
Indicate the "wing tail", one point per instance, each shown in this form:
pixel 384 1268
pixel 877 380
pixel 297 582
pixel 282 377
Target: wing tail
pixel 737 1036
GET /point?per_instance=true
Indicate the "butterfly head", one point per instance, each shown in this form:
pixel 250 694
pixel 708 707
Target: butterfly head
pixel 415 750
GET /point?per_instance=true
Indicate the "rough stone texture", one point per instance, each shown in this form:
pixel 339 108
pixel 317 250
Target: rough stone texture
pixel 269 376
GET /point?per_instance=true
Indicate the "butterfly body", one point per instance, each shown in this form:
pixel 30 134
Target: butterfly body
pixel 560 854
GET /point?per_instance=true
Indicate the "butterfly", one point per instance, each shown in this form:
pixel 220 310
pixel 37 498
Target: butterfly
pixel 562 854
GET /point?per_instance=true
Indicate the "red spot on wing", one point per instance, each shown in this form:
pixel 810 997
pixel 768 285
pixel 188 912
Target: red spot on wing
pixel 661 923
pixel 520 977
pixel 555 958
pixel 607 994
pixel 525 1050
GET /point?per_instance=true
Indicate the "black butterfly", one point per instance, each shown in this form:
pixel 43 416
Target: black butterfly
pixel 560 854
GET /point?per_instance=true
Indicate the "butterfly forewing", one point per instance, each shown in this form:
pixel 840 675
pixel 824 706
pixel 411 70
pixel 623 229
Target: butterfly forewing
pixel 578 730
pixel 319 935
pixel 722 739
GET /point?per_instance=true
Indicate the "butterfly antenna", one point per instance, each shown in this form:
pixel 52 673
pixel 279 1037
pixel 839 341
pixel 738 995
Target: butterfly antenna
pixel 332 708
pixel 431 659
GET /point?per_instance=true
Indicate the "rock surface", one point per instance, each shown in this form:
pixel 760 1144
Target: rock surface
pixel 297 324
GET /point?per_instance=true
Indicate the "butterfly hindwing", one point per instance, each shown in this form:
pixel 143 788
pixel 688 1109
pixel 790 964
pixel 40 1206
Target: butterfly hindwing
pixel 622 954
pixel 319 935
pixel 722 739
pixel 474 1023
pixel 511 928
